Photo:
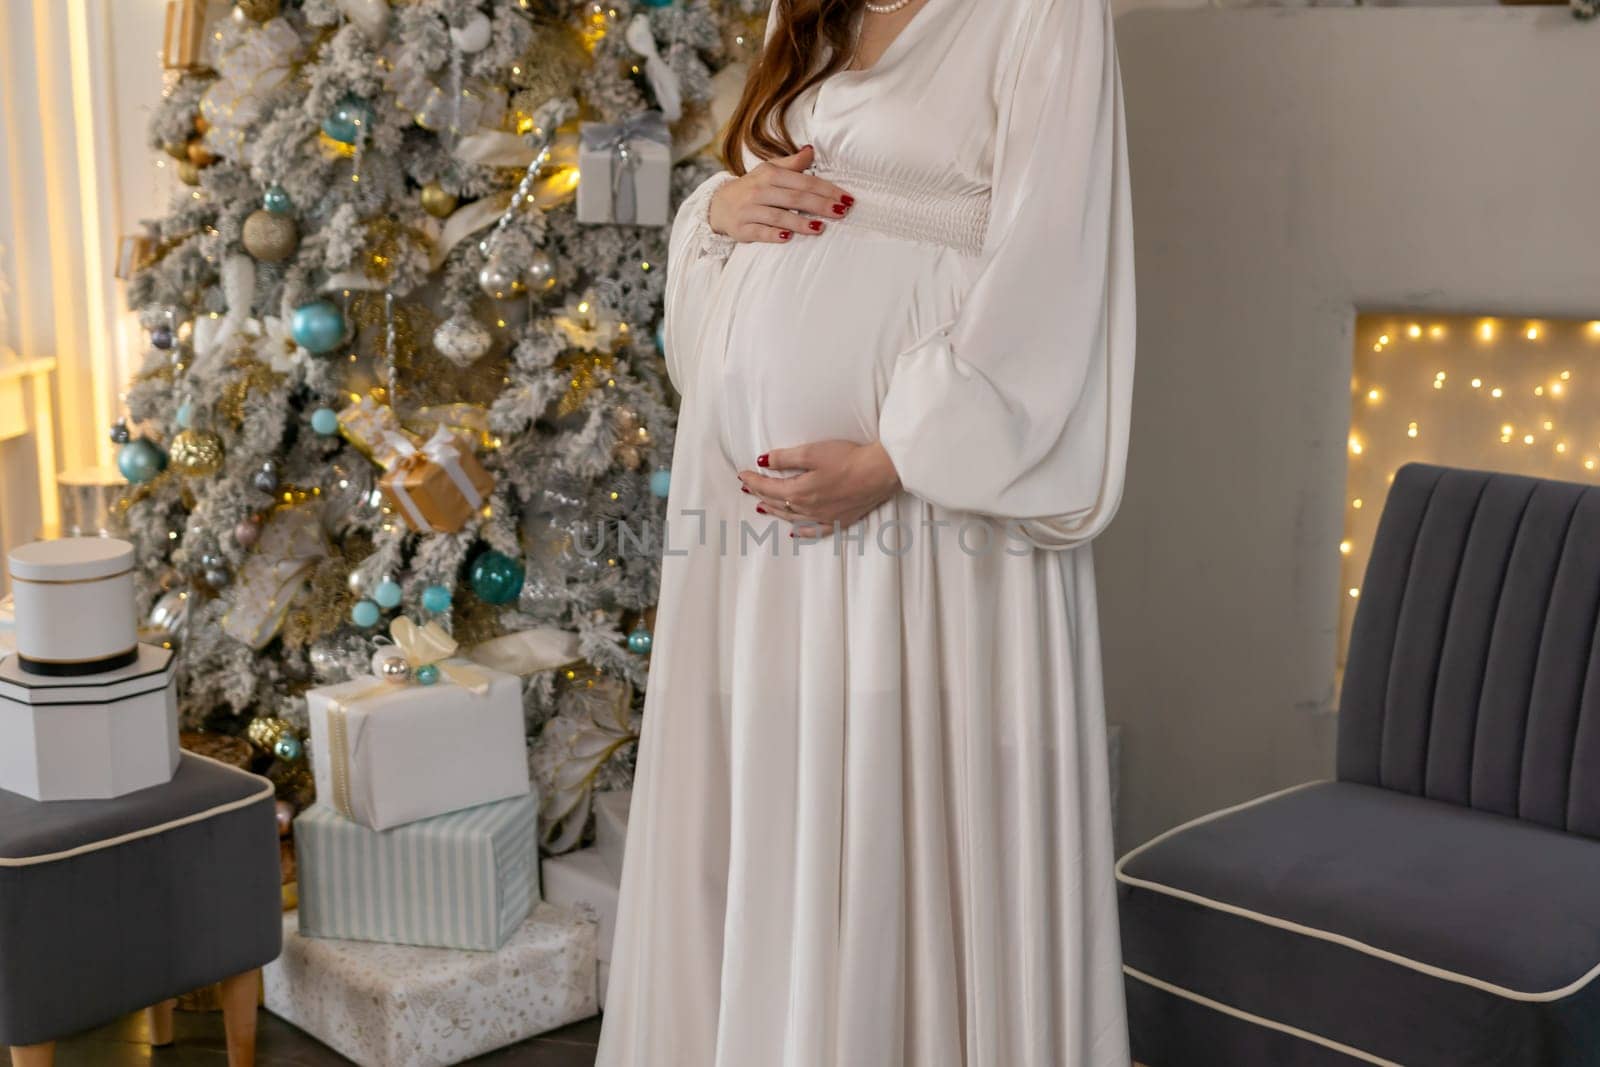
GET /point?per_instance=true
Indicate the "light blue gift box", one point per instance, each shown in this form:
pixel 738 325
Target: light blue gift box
pixel 463 880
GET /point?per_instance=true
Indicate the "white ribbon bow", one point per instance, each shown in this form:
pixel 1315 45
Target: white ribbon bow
pixel 663 79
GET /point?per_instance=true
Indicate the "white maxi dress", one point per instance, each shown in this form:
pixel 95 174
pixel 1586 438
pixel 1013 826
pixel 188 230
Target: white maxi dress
pixel 871 824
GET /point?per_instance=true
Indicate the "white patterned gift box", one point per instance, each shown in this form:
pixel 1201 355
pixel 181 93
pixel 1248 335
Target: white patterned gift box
pixel 399 1006
pixel 583 882
pixel 464 880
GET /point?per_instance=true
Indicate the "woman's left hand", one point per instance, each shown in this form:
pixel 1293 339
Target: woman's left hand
pixel 839 484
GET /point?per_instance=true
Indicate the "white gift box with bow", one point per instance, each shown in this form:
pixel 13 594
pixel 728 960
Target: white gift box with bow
pixel 385 754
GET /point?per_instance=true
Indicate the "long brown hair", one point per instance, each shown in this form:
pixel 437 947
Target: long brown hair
pixel 790 63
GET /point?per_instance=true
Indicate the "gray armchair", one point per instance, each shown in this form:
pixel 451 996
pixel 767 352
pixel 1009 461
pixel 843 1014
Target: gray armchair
pixel 1438 905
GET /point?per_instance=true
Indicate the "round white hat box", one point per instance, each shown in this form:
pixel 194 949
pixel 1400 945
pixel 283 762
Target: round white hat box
pixel 74 605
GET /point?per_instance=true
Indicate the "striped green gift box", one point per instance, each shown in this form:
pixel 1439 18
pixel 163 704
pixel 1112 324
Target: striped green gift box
pixel 463 880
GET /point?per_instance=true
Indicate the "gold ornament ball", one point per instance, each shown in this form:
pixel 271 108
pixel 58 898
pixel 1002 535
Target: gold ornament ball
pixel 270 238
pixel 200 155
pixel 196 453
pixel 201 126
pixel 176 149
pixel 437 202
pixel 629 457
pixel 188 173
pixel 260 10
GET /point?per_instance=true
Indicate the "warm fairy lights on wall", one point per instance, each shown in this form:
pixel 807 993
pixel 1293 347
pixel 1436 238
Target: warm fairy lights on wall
pixel 1497 393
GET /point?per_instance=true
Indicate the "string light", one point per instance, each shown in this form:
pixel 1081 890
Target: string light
pixel 1519 407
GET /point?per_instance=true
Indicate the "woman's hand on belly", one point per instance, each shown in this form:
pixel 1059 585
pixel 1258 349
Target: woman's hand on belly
pixel 833 484
pixel 772 202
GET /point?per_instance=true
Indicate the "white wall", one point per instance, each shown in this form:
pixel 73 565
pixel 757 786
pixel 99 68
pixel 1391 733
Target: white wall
pixel 1288 167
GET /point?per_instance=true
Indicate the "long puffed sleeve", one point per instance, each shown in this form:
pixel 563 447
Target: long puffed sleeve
pixel 695 256
pixel 1019 407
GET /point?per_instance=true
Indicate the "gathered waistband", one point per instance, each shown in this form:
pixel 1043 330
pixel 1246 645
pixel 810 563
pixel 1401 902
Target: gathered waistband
pixel 917 214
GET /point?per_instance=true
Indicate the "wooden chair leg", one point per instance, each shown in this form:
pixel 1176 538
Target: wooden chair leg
pixel 240 994
pixel 33 1055
pixel 159 1019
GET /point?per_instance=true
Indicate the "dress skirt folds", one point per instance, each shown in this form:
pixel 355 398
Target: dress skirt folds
pixel 871 822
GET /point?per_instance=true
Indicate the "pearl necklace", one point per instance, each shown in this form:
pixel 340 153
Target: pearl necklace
pixel 886 9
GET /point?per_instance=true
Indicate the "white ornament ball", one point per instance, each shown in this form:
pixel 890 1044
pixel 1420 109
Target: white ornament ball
pixel 472 35
pixel 390 664
pixel 461 339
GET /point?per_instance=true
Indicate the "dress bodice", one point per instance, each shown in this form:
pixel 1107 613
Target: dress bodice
pixel 913 136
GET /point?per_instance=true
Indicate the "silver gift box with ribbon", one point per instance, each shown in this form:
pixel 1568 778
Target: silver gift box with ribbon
pixel 625 171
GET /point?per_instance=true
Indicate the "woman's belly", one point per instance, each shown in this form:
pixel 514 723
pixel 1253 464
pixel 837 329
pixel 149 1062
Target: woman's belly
pixel 806 334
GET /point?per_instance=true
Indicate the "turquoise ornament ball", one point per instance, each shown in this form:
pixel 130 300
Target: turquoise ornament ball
pixel 661 339
pixel 350 116
pixel 325 421
pixel 139 460
pixel 661 482
pixel 288 748
pixel 387 594
pixel 318 327
pixel 186 415
pixel 657 3
pixel 640 641
pixel 365 614
pixel 277 201
pixel 426 674
pixel 496 577
pixel 436 598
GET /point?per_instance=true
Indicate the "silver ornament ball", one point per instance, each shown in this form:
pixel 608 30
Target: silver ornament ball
pixel 540 273
pixel 500 280
pixel 390 664
pixel 461 339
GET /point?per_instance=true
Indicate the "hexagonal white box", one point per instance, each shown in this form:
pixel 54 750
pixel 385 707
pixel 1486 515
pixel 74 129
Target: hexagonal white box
pixel 90 737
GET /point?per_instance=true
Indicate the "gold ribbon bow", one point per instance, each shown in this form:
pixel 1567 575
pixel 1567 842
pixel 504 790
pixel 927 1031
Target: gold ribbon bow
pixel 429 644
pixel 421 646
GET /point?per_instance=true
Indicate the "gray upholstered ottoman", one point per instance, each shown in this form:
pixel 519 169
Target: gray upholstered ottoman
pixel 109 906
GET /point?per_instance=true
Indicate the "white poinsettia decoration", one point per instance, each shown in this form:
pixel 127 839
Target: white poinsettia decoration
pixel 590 325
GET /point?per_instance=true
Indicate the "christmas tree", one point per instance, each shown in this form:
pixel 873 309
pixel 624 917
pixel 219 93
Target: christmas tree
pixel 396 367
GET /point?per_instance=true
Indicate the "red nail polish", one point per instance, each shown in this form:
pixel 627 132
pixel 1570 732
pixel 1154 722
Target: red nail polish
pixel 816 225
pixel 762 460
pixel 846 199
pixel 744 489
pixel 838 209
pixel 784 235
pixel 760 510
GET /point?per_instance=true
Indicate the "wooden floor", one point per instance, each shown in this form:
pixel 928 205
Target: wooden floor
pixel 199 1044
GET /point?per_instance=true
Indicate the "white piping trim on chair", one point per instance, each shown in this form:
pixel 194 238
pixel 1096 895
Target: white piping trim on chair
pixel 1324 935
pixel 1270 1024
pixel 267 790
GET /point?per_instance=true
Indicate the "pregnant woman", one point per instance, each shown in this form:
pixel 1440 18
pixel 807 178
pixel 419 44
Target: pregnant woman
pixel 871 822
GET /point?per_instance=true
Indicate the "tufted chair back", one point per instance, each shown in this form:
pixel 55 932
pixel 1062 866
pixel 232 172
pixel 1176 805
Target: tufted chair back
pixel 1474 675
